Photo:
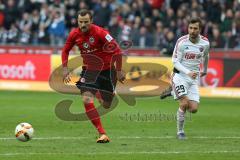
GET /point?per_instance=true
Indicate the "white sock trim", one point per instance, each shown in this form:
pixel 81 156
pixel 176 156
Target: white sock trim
pixel 180 110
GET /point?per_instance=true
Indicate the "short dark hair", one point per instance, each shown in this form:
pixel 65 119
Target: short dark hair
pixel 196 20
pixel 84 12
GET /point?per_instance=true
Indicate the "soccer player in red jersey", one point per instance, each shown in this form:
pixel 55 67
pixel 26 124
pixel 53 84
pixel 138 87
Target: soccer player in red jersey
pixel 102 66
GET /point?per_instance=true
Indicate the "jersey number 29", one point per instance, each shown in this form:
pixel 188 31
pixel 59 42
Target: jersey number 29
pixel 180 89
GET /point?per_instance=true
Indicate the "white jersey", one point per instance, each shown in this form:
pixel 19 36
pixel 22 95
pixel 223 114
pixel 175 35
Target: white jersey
pixel 190 55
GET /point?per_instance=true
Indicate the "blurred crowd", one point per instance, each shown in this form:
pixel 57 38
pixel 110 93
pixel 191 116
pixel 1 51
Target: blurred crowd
pixel 147 23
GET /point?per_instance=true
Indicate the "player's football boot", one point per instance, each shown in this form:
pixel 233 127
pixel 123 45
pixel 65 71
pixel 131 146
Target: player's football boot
pixel 166 93
pixel 181 136
pixel 103 139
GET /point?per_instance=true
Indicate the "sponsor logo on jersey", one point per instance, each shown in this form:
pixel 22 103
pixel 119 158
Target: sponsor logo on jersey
pixel 190 56
pixel 108 38
pixel 89 50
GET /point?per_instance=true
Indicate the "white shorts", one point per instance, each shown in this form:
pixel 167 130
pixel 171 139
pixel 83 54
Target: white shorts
pixel 183 85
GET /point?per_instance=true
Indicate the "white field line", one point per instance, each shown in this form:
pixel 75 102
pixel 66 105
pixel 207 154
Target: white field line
pixel 124 137
pixel 121 153
pixel 170 137
pixel 49 138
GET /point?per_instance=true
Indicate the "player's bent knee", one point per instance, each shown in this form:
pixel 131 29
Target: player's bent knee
pixel 87 98
pixel 184 104
pixel 193 107
pixel 193 110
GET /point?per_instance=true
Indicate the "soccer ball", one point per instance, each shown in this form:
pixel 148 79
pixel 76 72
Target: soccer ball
pixel 24 132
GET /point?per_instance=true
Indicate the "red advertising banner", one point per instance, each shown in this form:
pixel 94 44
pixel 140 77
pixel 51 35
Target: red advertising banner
pixel 232 72
pixel 24 67
pixel 215 74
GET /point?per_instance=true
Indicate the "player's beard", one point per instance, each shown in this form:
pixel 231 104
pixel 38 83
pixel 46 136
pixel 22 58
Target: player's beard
pixel 84 29
pixel 194 37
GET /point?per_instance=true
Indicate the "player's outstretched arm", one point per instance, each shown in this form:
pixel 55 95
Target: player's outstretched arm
pixel 65 53
pixel 66 75
pixel 121 76
pixel 120 72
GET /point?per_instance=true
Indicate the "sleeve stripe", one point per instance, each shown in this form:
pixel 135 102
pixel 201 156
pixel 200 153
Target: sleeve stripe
pixel 179 40
pixel 204 38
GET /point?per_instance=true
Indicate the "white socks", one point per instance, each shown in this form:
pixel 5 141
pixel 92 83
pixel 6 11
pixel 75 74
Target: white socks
pixel 180 121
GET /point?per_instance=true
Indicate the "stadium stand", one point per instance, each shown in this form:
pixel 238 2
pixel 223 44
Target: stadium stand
pixel 147 23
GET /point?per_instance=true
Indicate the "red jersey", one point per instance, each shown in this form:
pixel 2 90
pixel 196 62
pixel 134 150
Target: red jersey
pixel 97 48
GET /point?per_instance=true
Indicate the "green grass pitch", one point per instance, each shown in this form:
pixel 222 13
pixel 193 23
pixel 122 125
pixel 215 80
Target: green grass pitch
pixel 213 133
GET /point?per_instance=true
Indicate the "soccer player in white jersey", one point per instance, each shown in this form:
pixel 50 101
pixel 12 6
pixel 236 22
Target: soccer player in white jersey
pixel 190 51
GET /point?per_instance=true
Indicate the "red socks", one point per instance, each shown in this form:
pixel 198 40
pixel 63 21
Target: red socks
pixel 94 117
